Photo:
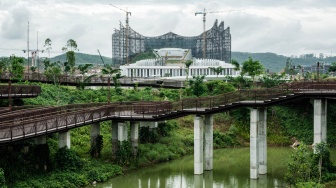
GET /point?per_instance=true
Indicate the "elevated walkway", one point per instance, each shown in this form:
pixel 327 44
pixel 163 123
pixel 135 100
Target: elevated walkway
pixel 28 123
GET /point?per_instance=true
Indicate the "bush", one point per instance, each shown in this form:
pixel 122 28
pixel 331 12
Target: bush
pixel 2 178
pixel 66 159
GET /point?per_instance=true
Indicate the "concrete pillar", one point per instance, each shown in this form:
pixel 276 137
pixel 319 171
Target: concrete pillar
pixel 254 146
pixel 198 145
pixel 64 139
pixel 320 120
pixel 135 136
pixel 94 132
pixel 122 131
pixel 208 132
pixel 114 127
pixel 40 140
pixel 262 135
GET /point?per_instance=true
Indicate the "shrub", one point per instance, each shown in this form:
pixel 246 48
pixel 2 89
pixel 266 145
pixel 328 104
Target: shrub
pixel 2 178
pixel 66 159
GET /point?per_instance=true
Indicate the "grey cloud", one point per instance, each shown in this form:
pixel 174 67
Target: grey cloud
pixel 14 25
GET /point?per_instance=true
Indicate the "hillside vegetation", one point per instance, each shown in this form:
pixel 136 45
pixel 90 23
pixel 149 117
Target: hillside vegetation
pixel 276 63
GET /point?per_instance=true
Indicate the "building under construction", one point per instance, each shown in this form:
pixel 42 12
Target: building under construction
pixel 218 43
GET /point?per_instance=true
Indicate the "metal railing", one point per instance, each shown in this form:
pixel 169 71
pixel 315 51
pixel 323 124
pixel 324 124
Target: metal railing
pixel 19 91
pixel 26 123
pixel 96 80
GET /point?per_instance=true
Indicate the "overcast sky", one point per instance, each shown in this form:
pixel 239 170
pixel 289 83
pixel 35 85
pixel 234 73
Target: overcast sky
pixel 287 27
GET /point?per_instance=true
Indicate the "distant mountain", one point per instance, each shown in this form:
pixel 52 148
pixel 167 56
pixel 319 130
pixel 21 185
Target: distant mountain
pixel 276 63
pixel 271 61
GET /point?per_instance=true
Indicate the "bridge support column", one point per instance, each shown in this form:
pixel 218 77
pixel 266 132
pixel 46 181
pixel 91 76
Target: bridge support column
pixel 198 145
pixel 114 127
pixel 135 136
pixel 94 133
pixel 254 146
pixel 262 134
pixel 64 139
pixel 122 132
pixel 320 121
pixel 40 140
pixel 208 132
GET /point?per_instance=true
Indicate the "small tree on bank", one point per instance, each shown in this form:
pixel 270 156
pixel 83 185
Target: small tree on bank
pixel 252 68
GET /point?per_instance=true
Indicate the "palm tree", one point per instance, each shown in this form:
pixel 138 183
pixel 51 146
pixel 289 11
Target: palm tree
pixel 84 69
pixel 108 69
pixel 236 64
pixel 188 64
pixel 217 70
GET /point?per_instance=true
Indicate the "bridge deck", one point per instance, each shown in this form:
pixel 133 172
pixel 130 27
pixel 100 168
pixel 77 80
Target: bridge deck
pixel 28 123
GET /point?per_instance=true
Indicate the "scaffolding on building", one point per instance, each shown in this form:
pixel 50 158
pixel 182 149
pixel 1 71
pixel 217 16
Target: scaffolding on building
pixel 218 43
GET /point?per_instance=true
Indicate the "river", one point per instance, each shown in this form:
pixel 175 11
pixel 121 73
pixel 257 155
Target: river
pixel 231 169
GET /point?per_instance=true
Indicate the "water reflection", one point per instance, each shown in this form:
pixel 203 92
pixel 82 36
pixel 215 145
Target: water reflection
pixel 231 169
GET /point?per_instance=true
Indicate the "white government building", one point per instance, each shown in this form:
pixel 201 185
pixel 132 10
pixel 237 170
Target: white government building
pixel 169 63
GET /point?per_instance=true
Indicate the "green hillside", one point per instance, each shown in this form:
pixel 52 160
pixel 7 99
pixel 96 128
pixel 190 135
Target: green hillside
pixel 84 59
pixel 276 63
pixel 271 61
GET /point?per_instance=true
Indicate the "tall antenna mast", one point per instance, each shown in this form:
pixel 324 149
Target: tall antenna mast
pixel 28 47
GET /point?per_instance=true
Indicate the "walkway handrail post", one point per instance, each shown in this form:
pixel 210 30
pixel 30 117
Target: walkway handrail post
pixel 143 112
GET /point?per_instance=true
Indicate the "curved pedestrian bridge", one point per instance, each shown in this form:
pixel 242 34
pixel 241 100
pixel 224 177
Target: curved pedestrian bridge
pixel 26 123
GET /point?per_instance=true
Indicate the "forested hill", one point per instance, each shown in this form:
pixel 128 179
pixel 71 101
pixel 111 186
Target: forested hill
pixel 276 63
pixel 271 61
pixel 84 59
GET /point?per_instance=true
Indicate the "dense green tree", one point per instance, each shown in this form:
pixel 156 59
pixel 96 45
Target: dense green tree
pixel 70 54
pixel 3 64
pixel 15 67
pixel 46 63
pixel 197 86
pixel 2 179
pixel 252 68
pixel 54 71
pixel 47 44
pixel 66 68
pixel 332 67
pixel 272 80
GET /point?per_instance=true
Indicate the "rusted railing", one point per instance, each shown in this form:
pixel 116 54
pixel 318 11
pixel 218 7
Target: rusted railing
pixel 19 91
pixel 97 80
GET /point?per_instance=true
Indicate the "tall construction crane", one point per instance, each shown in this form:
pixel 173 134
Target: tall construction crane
pixel 127 28
pixel 204 34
